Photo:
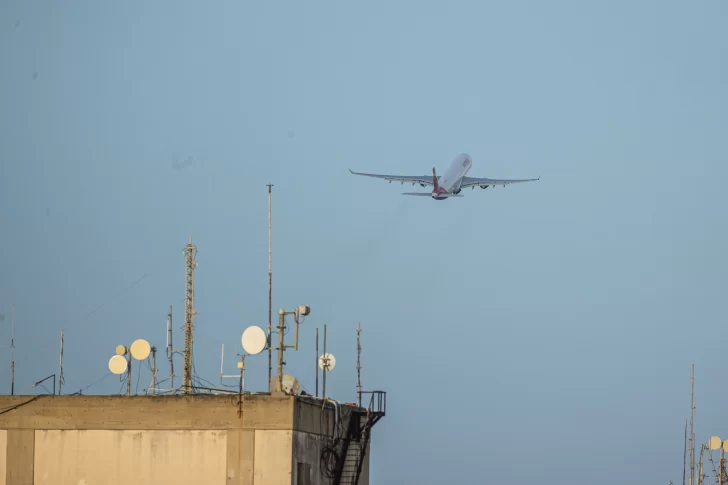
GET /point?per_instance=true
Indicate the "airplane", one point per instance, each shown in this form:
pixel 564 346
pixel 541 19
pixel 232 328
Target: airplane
pixel 451 183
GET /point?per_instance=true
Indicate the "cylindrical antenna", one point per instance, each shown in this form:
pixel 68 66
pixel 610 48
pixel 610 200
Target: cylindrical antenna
pixel 317 357
pixel 323 394
pixel 154 371
pixel 242 374
pixel 12 352
pixel 281 349
pixel 358 362
pixel 60 376
pixel 170 351
pixel 270 290
pixel 222 358
pixel 128 375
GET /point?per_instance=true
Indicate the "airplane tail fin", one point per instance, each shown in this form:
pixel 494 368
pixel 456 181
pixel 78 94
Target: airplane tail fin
pixel 436 188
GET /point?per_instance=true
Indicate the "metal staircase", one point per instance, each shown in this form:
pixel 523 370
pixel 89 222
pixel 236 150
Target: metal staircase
pixel 356 441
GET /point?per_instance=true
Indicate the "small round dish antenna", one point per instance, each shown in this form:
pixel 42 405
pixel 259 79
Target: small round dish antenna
pixel 120 350
pixel 140 349
pixel 117 364
pixel 290 384
pixel 254 340
pixel 714 443
pixel 327 362
pixel 725 446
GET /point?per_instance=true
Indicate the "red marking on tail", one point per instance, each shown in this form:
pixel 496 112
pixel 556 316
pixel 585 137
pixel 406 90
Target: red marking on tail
pixel 436 189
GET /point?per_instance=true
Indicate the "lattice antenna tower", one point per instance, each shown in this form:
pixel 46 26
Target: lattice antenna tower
pixel 190 265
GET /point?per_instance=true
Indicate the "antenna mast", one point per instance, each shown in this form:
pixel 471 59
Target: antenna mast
pixel 700 467
pixel 270 290
pixel 317 358
pixel 154 371
pixel 60 378
pixel 685 449
pixel 358 362
pixel 325 364
pixel 190 251
pixel 128 376
pixel 170 351
pixel 12 352
pixel 692 419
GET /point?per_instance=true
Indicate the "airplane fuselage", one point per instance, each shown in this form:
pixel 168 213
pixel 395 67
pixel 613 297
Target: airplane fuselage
pixel 449 182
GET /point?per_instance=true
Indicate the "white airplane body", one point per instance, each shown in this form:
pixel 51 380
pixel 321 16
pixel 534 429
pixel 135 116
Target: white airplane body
pixel 450 184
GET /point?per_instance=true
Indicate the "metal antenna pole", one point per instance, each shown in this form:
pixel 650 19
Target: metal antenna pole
pixel 700 467
pixel 317 357
pixel 270 289
pixel 189 316
pixel 242 374
pixel 128 375
pixel 685 449
pixel 12 352
pixel 692 419
pixel 326 364
pixel 60 378
pixel 154 371
pixel 358 362
pixel 281 349
pixel 170 348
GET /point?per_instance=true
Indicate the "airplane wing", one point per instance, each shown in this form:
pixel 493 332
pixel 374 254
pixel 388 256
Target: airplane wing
pixel 472 181
pixel 424 180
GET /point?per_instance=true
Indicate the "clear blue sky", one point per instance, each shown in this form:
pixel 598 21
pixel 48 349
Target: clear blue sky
pixel 543 331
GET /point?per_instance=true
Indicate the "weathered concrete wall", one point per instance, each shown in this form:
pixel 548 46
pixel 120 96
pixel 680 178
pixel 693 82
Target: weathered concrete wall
pixel 364 477
pixel 3 455
pixel 123 457
pixel 313 428
pixel 307 448
pixel 19 457
pixel 240 457
pixel 272 457
pixel 162 439
pixel 147 412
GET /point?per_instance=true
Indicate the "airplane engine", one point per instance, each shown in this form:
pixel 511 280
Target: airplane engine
pixel 457 191
pixel 423 185
pixel 484 186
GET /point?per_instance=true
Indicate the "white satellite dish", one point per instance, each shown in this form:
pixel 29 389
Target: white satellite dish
pixel 331 362
pixel 290 384
pixel 254 340
pixel 117 364
pixel 714 443
pixel 725 446
pixel 140 349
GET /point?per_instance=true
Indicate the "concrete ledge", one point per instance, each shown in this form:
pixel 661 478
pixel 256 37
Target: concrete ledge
pixel 147 412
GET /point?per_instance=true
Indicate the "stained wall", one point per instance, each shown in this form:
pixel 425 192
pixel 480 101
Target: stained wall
pixel 84 440
pixel 142 457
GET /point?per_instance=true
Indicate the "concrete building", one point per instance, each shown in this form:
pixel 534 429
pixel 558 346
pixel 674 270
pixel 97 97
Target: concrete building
pixel 259 439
